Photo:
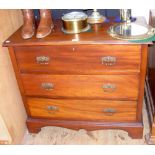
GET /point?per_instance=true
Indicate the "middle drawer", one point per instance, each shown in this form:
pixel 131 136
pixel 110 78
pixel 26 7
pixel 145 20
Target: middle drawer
pixel 123 87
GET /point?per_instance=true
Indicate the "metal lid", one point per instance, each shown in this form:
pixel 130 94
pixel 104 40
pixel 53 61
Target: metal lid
pixel 74 16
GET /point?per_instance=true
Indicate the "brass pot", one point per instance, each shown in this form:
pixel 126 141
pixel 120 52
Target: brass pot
pixel 75 22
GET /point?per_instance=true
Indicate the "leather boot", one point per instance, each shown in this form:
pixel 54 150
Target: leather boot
pixel 46 23
pixel 28 26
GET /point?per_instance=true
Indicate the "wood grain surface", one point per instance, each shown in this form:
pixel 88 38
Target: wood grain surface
pixel 96 35
pixel 82 86
pixel 83 109
pixel 79 59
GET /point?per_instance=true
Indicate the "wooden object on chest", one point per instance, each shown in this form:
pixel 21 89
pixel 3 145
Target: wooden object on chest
pixel 150 87
pixel 88 80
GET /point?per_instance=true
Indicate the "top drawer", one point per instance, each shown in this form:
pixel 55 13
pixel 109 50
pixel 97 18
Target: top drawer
pixel 79 59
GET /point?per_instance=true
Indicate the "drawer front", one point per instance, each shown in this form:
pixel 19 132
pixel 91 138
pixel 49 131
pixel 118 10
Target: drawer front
pixel 82 86
pixel 79 59
pixel 82 109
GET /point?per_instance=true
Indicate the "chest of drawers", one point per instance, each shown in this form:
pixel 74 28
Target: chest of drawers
pixel 86 80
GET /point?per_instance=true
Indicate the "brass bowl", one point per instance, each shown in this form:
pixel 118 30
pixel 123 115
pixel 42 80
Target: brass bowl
pixel 75 22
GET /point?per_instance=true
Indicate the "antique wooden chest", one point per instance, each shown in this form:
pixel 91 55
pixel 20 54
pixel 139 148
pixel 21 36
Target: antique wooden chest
pixel 87 80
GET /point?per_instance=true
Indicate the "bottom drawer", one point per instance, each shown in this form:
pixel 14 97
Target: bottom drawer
pixel 82 109
pixel 114 111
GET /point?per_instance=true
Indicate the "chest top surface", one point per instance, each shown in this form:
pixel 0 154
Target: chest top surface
pixel 96 35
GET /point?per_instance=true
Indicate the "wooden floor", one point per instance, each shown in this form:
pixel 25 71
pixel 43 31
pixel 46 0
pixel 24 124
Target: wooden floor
pixel 62 136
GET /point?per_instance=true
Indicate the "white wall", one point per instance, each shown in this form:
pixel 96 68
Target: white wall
pixel 139 12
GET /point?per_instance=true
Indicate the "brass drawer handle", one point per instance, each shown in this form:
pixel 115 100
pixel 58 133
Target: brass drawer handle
pixel 47 86
pixel 109 87
pixel 109 111
pixel 109 60
pixel 42 59
pixel 52 108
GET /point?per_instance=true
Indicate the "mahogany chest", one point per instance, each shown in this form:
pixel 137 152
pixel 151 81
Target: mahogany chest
pixel 87 80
